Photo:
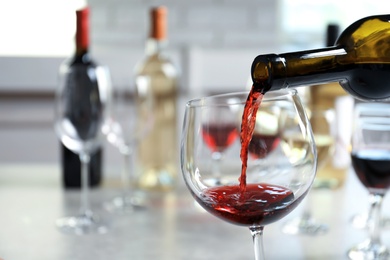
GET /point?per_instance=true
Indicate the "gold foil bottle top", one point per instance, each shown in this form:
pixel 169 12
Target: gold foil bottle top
pixel 158 22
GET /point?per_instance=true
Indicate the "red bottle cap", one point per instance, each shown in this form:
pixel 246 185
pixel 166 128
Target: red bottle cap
pixel 82 28
pixel 158 22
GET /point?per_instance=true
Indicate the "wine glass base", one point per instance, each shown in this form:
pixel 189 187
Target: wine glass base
pixel 304 226
pixel 81 224
pixel 369 251
pixel 125 204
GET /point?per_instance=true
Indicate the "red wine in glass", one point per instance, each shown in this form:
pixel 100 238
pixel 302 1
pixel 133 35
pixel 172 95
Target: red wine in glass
pixel 261 145
pixel 261 203
pixel 219 136
pixel 372 168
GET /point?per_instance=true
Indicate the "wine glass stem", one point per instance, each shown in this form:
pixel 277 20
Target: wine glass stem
pixel 217 157
pixel 375 216
pixel 257 235
pixel 84 159
pixel 307 214
pixel 126 172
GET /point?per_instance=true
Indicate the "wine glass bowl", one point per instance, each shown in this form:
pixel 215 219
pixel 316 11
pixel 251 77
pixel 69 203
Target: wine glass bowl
pixel 219 136
pixel 269 194
pixel 219 132
pixel 266 137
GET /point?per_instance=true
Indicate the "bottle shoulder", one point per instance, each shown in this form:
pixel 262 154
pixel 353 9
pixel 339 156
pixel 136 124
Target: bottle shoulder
pixel 160 75
pixel 156 65
pixel 81 59
pixel 368 37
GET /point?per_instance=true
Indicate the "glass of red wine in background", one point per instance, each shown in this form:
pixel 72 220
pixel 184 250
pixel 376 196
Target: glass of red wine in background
pixel 130 118
pixel 219 132
pixel 370 156
pixel 362 220
pixel 246 196
pixel 266 135
pixel 321 120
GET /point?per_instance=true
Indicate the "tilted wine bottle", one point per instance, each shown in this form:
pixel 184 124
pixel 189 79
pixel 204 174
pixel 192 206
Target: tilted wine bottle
pixel 359 61
pixel 70 161
pixel 157 152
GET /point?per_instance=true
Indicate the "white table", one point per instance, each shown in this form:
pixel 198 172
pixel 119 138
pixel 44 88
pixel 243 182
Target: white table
pixel 173 227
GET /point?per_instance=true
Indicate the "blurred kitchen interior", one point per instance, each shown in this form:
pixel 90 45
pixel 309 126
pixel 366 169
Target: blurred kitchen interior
pixel 212 42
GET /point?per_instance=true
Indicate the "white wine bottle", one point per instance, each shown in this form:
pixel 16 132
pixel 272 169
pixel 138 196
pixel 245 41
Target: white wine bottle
pixel 158 152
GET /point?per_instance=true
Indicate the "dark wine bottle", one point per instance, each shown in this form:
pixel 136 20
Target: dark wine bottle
pixel 359 61
pixel 70 161
pixel 71 168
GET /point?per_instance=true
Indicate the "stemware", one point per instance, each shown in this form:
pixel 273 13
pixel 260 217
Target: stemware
pixel 370 156
pixel 267 194
pixel 130 118
pixel 361 220
pixel 219 132
pixel 306 224
pixel 79 116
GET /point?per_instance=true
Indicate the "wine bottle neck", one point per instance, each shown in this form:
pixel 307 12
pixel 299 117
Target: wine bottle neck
pixel 82 36
pixel 82 29
pixel 155 47
pixel 158 23
pixel 158 31
pixel 297 68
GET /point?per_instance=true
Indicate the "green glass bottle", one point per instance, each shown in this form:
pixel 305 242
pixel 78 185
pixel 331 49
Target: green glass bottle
pixel 359 62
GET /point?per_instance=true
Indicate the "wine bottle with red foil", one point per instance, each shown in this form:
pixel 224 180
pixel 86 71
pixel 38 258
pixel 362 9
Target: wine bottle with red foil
pixel 157 152
pixel 79 64
pixel 359 61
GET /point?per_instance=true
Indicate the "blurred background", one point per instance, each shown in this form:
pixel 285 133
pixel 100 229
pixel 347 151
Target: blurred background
pixel 211 42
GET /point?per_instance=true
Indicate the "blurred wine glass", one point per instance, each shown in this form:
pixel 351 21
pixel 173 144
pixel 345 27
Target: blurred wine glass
pixel 370 156
pixel 79 117
pixel 219 132
pixel 362 220
pixel 130 119
pixel 321 120
pixel 266 137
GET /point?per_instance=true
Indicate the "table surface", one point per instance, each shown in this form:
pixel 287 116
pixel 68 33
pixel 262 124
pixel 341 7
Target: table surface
pixel 172 227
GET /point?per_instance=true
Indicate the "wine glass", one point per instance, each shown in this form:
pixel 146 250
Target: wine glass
pixel 253 198
pixel 219 132
pixel 130 119
pixel 79 117
pixel 321 121
pixel 266 137
pixel 370 156
pixel 361 220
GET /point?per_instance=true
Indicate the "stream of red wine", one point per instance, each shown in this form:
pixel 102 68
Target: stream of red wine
pixel 247 127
